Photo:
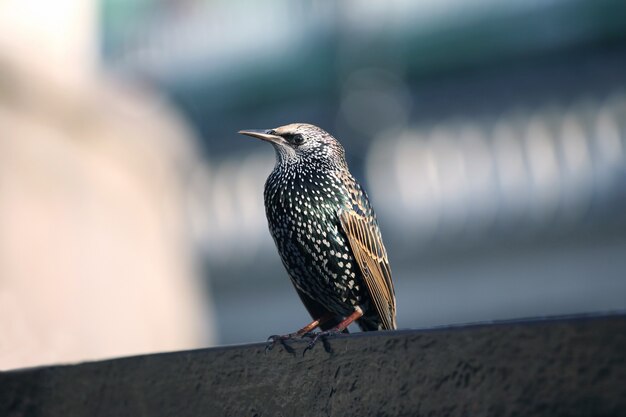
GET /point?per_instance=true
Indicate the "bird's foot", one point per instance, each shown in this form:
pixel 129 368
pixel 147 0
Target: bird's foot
pixel 321 335
pixel 282 339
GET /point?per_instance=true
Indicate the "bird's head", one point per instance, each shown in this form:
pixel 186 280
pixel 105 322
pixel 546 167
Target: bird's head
pixel 302 143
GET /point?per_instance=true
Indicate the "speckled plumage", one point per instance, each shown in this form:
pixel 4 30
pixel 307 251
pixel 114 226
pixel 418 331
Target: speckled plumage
pixel 325 229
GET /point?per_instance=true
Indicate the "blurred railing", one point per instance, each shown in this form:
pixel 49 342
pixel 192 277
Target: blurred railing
pixel 525 172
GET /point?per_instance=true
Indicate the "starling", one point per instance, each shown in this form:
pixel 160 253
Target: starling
pixel 326 233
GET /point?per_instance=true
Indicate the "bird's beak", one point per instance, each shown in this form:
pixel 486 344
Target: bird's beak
pixel 263 135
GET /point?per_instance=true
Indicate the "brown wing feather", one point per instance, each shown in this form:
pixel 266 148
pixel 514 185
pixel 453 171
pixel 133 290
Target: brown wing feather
pixel 370 254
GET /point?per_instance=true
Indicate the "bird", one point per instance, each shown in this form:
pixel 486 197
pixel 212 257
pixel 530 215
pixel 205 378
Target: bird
pixel 326 233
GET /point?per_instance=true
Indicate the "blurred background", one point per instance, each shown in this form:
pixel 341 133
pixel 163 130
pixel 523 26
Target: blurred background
pixel 490 135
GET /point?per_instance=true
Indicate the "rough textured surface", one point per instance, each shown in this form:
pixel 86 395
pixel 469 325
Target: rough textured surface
pixel 563 367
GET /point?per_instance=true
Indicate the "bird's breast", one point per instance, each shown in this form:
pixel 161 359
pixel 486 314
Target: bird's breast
pixel 303 214
pixel 304 222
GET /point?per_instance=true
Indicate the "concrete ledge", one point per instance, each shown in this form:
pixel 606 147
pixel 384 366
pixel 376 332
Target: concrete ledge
pixel 572 366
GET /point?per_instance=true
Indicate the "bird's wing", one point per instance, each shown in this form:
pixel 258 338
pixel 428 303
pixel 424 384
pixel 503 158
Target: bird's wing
pixel 371 256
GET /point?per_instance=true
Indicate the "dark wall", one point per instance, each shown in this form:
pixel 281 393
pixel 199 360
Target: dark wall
pixel 563 367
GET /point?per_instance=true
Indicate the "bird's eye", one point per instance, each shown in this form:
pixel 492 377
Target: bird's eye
pixel 296 139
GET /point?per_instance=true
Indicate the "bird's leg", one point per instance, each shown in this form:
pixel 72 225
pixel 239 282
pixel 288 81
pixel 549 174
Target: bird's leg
pixel 313 325
pixel 300 333
pixel 357 314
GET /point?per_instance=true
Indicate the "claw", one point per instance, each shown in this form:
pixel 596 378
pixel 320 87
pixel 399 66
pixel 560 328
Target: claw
pixel 271 341
pixel 306 331
pixel 324 336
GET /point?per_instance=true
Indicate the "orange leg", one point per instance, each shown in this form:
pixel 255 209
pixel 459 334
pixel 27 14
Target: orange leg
pixel 313 325
pixel 357 314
